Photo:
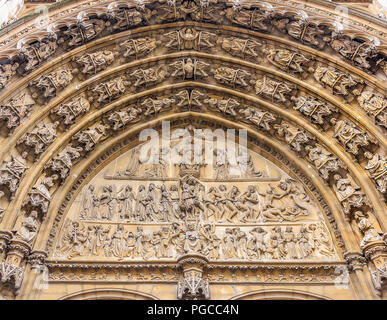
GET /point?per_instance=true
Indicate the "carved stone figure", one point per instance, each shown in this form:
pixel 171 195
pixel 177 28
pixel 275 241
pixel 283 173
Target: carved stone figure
pixel 287 60
pixel 189 68
pixel 39 196
pixel 90 203
pixel 151 76
pixel 95 62
pixel 350 136
pixel 303 30
pixel 109 90
pixel 341 83
pixel 29 228
pixel 189 39
pixel 294 136
pixel 11 173
pixel 313 108
pixel 276 91
pixel 190 99
pixel 362 54
pixel 349 194
pixel 322 244
pixel 262 119
pixel 154 106
pixel 139 47
pixel 377 168
pixel 63 162
pixel 255 18
pixel 89 138
pixel 71 110
pixel 40 137
pixel 50 84
pixel 240 47
pixel 124 17
pixel 226 106
pixel 83 32
pixel 367 229
pixel 231 77
pixel 7 71
pixel 375 105
pixel 36 52
pixel 324 160
pixel 192 239
pixel 118 119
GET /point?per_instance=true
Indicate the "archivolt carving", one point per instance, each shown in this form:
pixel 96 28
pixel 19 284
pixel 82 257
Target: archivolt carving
pixel 222 201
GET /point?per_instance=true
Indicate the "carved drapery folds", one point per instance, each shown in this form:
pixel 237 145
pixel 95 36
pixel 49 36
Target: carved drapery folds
pixel 92 63
pixel 11 173
pixel 377 168
pixel 287 60
pixel 39 197
pixel 240 47
pixel 375 105
pixel 189 69
pixel 15 110
pixel 90 137
pixel 77 33
pixel 137 48
pixel 118 119
pixel 276 91
pixel 313 108
pixel 189 39
pixel 33 51
pixel 349 194
pixel 39 138
pixel 109 90
pixel 375 251
pixel 7 71
pixel 50 84
pixel 342 84
pixel 350 136
pixel 232 77
pixel 62 163
pixel 294 136
pixel 69 111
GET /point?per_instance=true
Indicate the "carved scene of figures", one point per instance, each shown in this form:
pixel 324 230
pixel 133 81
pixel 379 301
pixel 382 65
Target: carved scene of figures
pixel 260 243
pixel 222 202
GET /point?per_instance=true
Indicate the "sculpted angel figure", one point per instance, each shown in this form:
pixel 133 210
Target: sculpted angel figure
pixel 240 47
pixel 262 119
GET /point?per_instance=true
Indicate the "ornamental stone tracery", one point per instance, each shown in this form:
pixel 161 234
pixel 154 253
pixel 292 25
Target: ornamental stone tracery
pixel 74 196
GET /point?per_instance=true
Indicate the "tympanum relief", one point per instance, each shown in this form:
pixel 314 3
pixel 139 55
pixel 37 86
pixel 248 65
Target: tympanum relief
pixel 135 210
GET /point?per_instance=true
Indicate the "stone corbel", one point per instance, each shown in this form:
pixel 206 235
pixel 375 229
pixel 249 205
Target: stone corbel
pixel 37 259
pixel 193 286
pixel 355 260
